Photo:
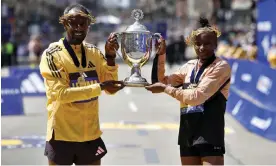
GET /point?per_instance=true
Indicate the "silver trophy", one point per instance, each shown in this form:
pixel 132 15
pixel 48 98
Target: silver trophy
pixel 137 46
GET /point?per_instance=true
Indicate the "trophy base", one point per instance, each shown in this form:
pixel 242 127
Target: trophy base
pixel 135 82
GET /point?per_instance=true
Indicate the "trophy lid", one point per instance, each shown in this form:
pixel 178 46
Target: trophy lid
pixel 137 14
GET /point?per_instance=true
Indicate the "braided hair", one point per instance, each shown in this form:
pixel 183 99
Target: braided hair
pixel 204 27
pixel 204 22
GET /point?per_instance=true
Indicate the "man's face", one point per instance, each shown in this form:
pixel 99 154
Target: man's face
pixel 205 45
pixel 76 27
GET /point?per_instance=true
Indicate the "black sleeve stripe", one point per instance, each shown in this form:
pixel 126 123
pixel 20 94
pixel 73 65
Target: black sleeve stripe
pixel 54 49
pixel 50 66
pixel 51 69
pixel 50 59
pixel 54 66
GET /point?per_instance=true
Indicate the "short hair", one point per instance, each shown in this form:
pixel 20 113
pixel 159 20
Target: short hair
pixel 84 12
pixel 76 6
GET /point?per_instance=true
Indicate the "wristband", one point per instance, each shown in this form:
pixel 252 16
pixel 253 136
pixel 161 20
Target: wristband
pixel 107 56
pixel 101 86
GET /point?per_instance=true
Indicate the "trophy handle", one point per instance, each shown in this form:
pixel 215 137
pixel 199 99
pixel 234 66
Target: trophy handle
pixel 151 52
pixel 151 44
pixel 122 56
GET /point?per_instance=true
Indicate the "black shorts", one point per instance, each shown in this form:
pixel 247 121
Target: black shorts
pixel 202 150
pixel 79 153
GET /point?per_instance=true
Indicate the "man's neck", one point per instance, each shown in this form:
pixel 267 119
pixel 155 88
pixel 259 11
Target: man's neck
pixel 72 42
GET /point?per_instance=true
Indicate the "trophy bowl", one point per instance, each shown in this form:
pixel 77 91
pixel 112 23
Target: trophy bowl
pixel 137 46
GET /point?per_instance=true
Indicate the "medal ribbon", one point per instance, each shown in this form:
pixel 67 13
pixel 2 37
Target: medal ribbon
pixel 195 79
pixel 73 55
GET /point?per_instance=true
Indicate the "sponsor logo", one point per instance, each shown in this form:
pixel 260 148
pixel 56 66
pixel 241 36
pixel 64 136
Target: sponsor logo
pixel 32 84
pixel 99 151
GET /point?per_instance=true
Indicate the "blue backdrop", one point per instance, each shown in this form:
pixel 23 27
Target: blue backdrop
pixel 22 81
pixel 31 82
pixel 266 27
pixel 252 97
pixel 11 99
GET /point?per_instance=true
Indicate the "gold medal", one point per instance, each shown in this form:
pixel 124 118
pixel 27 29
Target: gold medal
pixel 81 79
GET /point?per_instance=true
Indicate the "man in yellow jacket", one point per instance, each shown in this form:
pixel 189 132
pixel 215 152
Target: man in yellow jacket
pixel 75 74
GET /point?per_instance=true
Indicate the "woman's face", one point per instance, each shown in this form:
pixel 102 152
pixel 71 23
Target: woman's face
pixel 205 45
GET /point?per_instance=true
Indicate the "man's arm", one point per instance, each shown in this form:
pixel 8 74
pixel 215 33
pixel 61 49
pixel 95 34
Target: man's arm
pixel 209 85
pixel 57 82
pixel 107 68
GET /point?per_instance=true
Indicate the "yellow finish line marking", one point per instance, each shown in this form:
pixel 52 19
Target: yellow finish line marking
pixel 7 142
pixel 149 126
pixel 121 126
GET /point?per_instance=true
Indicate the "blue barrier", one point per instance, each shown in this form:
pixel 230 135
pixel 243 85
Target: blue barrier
pixel 252 97
pixel 31 80
pixel 22 81
pixel 266 28
pixel 11 99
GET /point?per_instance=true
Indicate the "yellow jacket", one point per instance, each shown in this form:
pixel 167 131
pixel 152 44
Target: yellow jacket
pixel 72 105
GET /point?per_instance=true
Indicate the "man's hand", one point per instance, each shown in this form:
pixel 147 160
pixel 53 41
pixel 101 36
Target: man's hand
pixel 156 88
pixel 112 86
pixel 161 43
pixel 111 45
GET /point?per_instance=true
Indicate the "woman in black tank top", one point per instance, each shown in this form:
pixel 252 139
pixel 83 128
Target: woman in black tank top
pixel 201 132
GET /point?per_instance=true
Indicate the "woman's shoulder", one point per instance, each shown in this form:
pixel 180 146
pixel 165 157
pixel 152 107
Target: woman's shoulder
pixel 191 62
pixel 222 63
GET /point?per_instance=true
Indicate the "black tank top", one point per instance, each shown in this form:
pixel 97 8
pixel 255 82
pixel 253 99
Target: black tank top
pixel 201 127
pixel 205 127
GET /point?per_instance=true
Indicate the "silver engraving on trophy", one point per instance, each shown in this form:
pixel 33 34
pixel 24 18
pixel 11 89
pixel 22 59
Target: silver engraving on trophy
pixel 137 46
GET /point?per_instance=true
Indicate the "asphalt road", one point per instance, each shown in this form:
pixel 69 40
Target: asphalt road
pixel 139 128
